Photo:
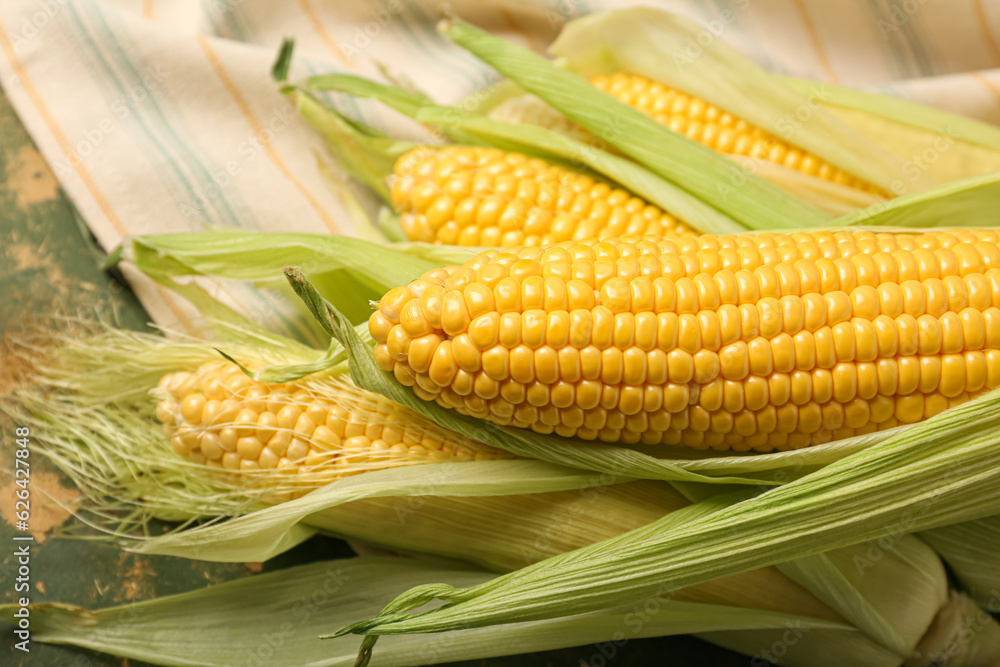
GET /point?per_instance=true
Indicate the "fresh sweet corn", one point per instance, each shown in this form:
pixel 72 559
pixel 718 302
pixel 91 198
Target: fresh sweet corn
pixel 719 130
pixel 318 431
pixel 740 342
pixel 460 195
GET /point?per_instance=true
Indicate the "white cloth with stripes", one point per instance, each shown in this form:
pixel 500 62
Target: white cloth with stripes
pixel 160 115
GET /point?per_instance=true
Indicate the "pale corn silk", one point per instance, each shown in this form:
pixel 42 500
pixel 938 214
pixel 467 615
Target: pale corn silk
pixel 160 115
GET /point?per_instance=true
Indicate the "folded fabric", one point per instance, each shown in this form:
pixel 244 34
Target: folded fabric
pixel 161 115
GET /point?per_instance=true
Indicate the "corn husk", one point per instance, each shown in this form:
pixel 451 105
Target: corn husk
pixel 967 202
pixel 90 404
pixel 274 619
pixel 943 471
pixel 346 268
pixel 832 198
pixel 972 551
pixel 938 144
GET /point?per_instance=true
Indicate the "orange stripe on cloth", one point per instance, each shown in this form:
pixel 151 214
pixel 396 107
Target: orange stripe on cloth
pixel 817 43
pixel 317 25
pixel 58 134
pixel 992 87
pixel 147 9
pixel 169 300
pixel 984 26
pixel 258 130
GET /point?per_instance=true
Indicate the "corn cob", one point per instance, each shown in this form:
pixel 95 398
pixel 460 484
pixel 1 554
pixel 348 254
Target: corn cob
pixel 726 342
pixel 119 460
pixel 717 129
pixel 317 431
pixel 523 528
pixel 460 195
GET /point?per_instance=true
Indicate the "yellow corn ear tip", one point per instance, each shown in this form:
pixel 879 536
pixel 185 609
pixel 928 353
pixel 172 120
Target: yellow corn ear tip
pixel 471 196
pixel 743 342
pixel 718 129
pixel 310 432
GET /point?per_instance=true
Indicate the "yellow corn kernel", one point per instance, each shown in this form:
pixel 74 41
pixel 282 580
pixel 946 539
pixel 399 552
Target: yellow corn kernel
pixel 723 133
pixel 489 197
pixel 803 342
pixel 310 431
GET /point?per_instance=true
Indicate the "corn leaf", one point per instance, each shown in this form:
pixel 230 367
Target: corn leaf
pixel 969 202
pixel 944 470
pixel 837 579
pixel 275 618
pixel 258 256
pixel 972 550
pixel 942 145
pixel 352 271
pixel 709 176
pixel 368 158
pixel 673 50
pixel 265 533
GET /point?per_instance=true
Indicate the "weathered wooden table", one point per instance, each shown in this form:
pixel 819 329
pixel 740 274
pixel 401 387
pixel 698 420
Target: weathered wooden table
pixel 50 264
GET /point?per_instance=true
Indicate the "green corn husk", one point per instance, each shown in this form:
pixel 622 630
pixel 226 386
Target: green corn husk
pixel 897 481
pixel 347 268
pixel 274 619
pixel 89 403
pixel 942 145
pixel 972 551
pixel 283 611
pixel 966 202
pixel 832 198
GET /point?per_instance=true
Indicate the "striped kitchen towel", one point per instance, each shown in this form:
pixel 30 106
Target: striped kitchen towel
pixel 160 115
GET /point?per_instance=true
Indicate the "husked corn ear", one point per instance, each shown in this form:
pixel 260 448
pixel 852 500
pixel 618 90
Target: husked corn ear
pixel 741 342
pixel 459 195
pixel 717 129
pixel 320 431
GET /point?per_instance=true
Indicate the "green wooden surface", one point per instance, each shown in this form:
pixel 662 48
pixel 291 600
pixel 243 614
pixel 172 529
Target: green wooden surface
pixel 52 265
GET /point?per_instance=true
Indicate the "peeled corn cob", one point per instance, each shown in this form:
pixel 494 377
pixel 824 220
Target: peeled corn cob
pixel 719 130
pixel 726 342
pixel 468 196
pixel 316 431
